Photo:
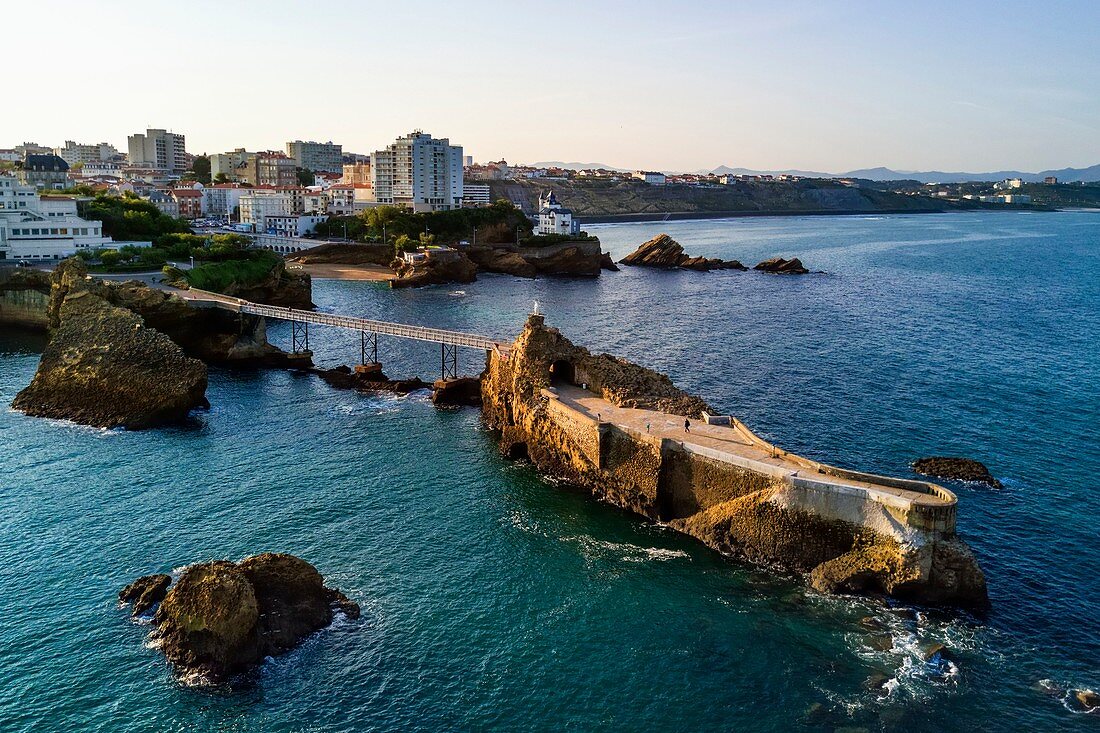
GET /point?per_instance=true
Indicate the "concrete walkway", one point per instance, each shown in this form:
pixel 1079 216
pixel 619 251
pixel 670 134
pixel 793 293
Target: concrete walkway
pixel 722 438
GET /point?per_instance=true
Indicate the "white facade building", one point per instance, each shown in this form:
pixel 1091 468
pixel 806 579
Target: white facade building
pixel 37 228
pixel 158 149
pixel 294 225
pixel 475 194
pixel 651 177
pixel 257 207
pixel 554 218
pixel 75 153
pixel 420 172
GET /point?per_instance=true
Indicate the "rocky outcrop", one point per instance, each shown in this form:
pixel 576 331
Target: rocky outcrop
pixel 438 268
pixel 281 287
pixel 457 392
pixel 780 266
pixel 368 378
pixel 24 298
pixel 145 593
pixel 608 263
pixel 736 506
pixel 664 252
pixel 223 618
pixel 559 259
pixel 501 260
pixel 959 469
pixel 104 367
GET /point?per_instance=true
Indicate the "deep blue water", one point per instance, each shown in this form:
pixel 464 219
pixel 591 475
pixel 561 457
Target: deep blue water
pixel 496 600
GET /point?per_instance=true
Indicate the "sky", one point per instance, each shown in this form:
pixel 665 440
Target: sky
pixel 826 86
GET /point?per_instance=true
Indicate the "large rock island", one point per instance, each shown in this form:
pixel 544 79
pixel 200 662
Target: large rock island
pixel 632 438
pixel 664 253
pixel 223 618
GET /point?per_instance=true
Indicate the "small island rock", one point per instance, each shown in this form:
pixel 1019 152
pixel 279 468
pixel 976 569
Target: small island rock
pixel 664 252
pixel 780 266
pixel 223 618
pixel 960 469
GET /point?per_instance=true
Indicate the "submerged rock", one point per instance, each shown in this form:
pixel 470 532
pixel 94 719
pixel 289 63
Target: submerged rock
pixel 222 618
pixel 960 469
pixel 664 252
pixel 145 593
pixel 780 266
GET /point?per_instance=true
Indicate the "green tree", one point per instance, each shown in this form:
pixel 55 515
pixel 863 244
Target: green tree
pixel 305 176
pixel 110 258
pixel 200 169
pixel 402 244
pixel 221 178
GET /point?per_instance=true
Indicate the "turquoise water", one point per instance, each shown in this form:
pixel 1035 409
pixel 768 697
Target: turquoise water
pixel 494 599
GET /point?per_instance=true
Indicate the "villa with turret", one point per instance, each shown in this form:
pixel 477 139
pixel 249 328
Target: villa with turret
pixel 555 218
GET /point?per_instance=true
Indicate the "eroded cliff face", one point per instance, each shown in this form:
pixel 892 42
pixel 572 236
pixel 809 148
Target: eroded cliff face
pixel 24 298
pixel 751 514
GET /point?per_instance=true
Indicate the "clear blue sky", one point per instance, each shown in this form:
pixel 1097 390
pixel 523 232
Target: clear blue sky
pixel 665 85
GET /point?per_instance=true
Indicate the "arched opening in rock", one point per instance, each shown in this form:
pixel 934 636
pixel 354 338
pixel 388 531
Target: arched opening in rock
pixel 562 372
pixel 517 451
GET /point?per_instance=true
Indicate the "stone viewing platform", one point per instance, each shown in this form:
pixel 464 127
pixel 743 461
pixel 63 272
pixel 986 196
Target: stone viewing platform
pixel 618 430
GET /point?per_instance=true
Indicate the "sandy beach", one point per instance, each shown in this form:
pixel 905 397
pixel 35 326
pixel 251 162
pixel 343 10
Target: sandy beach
pixel 345 272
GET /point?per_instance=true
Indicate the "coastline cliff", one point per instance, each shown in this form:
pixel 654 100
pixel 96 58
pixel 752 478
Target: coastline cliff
pixel 617 429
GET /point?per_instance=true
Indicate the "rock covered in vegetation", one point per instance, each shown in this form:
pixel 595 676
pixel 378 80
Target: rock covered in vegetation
pixel 960 469
pixel 664 252
pixel 104 367
pixel 223 618
pixel 439 268
pixel 780 266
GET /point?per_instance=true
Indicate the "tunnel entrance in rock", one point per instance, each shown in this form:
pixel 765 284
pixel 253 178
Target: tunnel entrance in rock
pixel 563 372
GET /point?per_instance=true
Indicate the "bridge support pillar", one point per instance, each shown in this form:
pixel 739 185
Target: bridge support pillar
pixel 299 336
pixel 448 357
pixel 368 344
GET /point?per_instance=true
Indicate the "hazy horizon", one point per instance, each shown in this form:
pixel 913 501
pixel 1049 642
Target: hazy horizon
pixel 986 87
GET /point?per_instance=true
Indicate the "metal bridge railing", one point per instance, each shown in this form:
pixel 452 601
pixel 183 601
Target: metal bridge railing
pixel 416 333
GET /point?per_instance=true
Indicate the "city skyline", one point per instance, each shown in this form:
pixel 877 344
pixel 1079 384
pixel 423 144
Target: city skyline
pixel 986 87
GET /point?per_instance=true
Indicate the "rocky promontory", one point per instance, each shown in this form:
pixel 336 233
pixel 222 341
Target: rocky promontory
pixel 104 367
pixel 731 490
pixel 438 268
pixel 959 469
pixel 664 252
pixel 223 618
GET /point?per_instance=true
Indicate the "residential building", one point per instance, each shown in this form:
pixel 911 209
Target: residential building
pixel 163 201
pixel 37 228
pixel 102 168
pixel 32 149
pixel 420 172
pixel 555 218
pixel 292 225
pixel 228 163
pixel 1051 180
pixel 316 156
pixel 357 174
pixel 475 194
pixel 316 202
pixel 10 155
pixel 341 199
pixel 268 169
pixel 44 170
pixel 158 149
pixel 222 199
pixel 189 202
pixel 78 154
pixel 257 206
pixel 651 177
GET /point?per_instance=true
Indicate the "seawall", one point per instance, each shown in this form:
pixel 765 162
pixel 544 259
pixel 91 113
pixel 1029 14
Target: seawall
pixel 621 436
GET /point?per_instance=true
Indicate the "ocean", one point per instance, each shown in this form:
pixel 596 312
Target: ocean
pixel 495 599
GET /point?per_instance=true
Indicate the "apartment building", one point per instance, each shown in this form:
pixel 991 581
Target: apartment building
pixel 158 149
pixel 419 172
pixel 315 156
pixel 75 153
pixel 268 169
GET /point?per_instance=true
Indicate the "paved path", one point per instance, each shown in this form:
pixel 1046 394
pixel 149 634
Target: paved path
pixel 715 437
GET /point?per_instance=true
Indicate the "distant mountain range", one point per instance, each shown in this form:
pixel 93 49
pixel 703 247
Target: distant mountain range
pixel 1064 175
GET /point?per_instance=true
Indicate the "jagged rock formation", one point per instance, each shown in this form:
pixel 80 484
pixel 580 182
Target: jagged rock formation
pixel 368 378
pixel 104 367
pixel 502 261
pixel 960 469
pixel 223 618
pixel 561 259
pixel 145 593
pixel 850 542
pixel 439 268
pixel 664 252
pixel 780 266
pixel 607 263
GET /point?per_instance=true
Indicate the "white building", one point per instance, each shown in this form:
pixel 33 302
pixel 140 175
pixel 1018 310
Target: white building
pixel 76 153
pixel 420 172
pixel 475 194
pixel 293 225
pixel 158 149
pixel 554 218
pixel 317 156
pixel 651 177
pixel 37 228
pixel 258 206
